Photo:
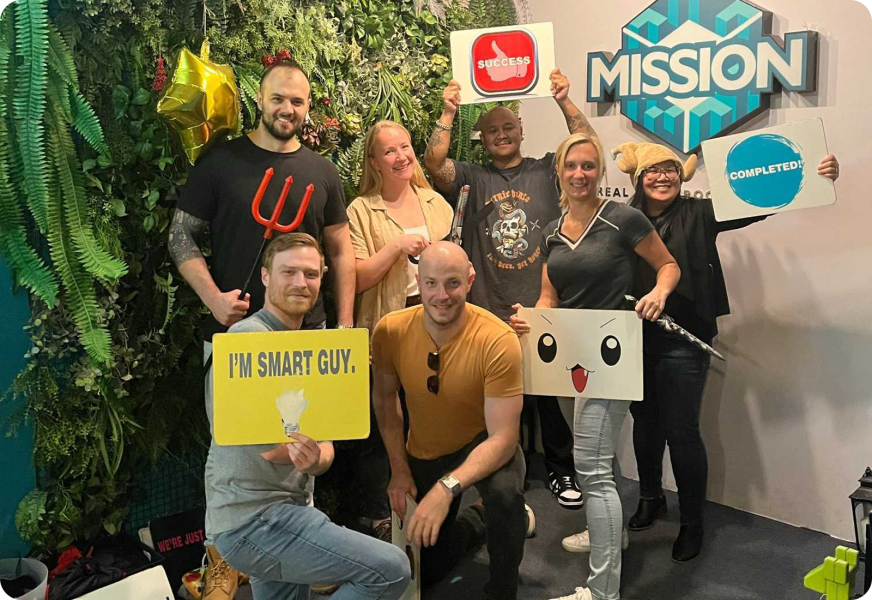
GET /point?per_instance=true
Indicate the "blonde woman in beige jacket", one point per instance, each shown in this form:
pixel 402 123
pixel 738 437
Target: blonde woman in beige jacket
pixel 396 216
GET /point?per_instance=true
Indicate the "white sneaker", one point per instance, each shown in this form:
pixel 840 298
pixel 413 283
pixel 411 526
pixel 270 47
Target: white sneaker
pixel 531 521
pixel 580 542
pixel 581 593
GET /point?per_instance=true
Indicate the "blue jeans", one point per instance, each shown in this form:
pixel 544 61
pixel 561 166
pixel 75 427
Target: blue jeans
pixel 597 425
pixel 287 548
pixel 675 376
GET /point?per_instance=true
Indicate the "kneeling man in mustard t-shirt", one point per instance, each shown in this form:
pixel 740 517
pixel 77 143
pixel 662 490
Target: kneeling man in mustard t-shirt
pixel 460 367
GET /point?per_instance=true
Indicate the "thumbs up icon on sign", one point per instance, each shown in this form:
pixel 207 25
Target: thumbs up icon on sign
pixel 502 68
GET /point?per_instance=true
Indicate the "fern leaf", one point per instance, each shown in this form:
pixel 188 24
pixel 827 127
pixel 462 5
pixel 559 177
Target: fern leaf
pixel 60 59
pixel 464 132
pixel 28 103
pixel 349 167
pixel 79 295
pixel 85 121
pixel 94 258
pixel 30 270
pixel 5 54
pixel 59 99
pixel 167 287
pixel 249 86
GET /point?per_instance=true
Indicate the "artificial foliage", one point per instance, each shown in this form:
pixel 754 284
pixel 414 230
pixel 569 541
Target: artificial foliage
pixel 89 177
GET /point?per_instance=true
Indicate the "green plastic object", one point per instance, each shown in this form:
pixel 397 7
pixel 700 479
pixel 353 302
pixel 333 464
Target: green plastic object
pixel 835 578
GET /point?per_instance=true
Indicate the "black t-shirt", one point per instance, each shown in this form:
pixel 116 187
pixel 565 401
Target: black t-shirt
pixel 596 271
pixel 220 189
pixel 504 248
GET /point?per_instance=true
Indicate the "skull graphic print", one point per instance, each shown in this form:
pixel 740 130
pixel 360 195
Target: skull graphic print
pixel 510 231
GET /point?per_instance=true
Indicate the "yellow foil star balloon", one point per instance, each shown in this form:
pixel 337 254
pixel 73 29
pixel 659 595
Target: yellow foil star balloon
pixel 201 103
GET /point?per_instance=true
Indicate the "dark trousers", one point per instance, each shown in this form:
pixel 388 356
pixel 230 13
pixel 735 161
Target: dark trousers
pixel 366 462
pixel 503 520
pixel 556 435
pixel 371 473
pixel 675 374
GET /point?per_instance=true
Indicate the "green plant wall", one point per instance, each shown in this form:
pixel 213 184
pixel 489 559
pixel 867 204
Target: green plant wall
pixel 89 176
pixel 17 452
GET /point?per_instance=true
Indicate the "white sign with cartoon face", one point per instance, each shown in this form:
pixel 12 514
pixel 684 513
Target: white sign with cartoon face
pixel 582 353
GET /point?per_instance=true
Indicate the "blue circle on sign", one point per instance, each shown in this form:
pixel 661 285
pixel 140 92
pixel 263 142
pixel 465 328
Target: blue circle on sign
pixel 765 170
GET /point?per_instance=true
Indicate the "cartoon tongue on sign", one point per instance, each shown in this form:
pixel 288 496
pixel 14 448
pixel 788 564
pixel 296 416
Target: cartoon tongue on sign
pixel 579 377
pixel 584 353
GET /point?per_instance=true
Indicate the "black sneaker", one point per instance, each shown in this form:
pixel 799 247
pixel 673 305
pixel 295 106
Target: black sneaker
pixel 566 490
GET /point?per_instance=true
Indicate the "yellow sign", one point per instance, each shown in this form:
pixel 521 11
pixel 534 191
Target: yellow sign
pixel 267 385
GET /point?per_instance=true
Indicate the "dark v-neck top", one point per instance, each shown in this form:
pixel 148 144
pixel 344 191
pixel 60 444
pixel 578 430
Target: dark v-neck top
pixel 596 270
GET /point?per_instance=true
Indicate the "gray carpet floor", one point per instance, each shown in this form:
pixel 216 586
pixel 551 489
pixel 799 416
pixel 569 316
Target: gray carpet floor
pixel 745 557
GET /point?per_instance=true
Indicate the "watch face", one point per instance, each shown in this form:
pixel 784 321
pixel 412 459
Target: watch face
pixel 452 483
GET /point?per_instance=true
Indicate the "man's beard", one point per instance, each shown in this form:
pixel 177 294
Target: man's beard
pixel 277 133
pixel 292 307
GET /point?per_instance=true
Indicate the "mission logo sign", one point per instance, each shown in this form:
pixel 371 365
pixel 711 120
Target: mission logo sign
pixel 691 70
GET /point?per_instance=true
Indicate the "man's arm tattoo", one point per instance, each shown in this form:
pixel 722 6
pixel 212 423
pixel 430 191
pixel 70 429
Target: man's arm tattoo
pixel 443 176
pixel 186 231
pixel 436 139
pixel 578 123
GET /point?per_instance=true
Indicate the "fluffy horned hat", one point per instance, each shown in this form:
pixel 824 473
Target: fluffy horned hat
pixel 638 157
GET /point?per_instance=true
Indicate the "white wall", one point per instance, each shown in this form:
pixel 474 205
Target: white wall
pixel 788 418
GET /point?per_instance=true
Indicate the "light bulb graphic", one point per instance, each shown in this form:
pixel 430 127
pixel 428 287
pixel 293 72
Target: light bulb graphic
pixel 291 406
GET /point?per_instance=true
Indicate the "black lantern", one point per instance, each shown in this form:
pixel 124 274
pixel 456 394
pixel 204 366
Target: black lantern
pixel 861 502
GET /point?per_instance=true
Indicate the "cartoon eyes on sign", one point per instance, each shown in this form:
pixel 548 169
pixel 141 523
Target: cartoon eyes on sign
pixel 291 406
pixel 589 353
pixel 610 353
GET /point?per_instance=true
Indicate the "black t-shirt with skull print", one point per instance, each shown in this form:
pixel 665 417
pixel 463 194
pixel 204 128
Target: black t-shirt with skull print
pixel 504 248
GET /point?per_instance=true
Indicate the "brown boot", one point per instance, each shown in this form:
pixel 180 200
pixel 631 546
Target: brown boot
pixel 222 580
pixel 324 588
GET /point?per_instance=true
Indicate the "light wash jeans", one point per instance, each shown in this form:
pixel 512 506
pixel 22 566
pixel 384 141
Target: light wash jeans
pixel 597 425
pixel 287 548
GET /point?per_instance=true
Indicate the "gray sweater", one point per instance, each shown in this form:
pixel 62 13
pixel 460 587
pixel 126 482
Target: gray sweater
pixel 239 482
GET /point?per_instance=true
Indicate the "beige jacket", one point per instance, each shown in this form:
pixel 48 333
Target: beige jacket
pixel 371 229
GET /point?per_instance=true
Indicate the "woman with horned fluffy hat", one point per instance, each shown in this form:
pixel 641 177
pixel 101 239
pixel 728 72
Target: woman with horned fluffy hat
pixel 674 371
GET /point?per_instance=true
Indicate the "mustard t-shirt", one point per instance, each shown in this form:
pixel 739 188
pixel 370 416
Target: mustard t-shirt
pixel 483 360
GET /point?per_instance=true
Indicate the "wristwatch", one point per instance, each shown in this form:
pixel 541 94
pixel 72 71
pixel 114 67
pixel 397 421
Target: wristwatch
pixel 345 327
pixel 452 484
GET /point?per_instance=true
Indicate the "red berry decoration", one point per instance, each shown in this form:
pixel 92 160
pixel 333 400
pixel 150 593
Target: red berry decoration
pixel 282 55
pixel 160 76
pixel 325 101
pixel 266 60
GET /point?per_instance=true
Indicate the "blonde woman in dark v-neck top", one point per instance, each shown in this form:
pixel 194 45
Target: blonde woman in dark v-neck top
pixel 589 257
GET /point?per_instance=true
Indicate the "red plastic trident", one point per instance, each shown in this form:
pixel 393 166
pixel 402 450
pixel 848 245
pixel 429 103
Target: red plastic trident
pixel 273 223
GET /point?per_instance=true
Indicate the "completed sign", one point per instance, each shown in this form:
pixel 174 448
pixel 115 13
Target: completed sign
pixel 503 63
pixel 582 353
pixel 768 171
pixel 268 385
